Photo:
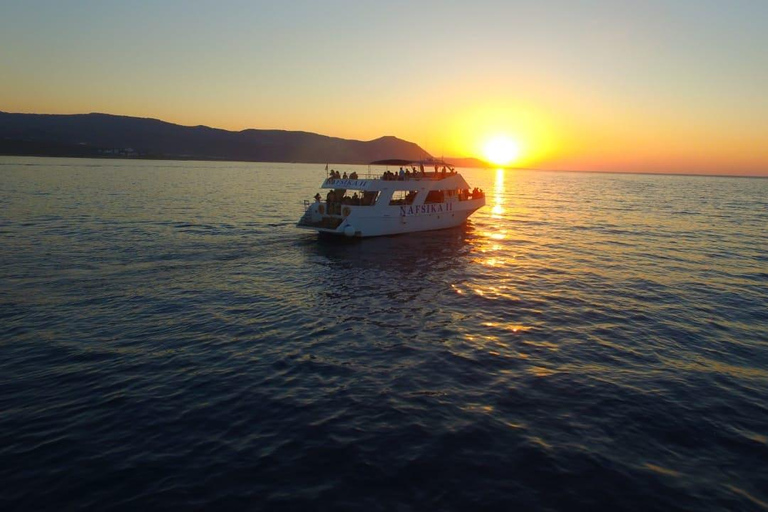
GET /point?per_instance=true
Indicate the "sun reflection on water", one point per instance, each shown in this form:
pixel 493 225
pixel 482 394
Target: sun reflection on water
pixel 498 197
pixel 494 255
pixel 506 326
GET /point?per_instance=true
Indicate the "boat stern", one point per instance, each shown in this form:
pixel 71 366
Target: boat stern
pixel 317 217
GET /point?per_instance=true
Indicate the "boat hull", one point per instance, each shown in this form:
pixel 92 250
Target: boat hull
pixel 397 220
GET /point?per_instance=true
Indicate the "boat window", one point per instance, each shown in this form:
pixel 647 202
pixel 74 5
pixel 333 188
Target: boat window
pixel 435 196
pixel 370 197
pixel 401 197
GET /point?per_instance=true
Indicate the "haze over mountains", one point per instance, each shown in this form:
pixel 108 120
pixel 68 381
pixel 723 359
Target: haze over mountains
pixel 105 135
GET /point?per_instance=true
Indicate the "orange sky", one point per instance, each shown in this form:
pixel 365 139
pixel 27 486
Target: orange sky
pixel 639 88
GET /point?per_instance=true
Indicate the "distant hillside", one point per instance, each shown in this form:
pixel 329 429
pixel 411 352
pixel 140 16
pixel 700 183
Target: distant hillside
pixel 104 135
pixel 467 162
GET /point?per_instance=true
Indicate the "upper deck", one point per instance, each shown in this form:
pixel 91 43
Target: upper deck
pixel 428 181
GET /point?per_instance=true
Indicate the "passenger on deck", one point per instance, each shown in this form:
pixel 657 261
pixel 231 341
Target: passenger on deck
pixel 317 197
pixel 344 176
pixel 402 174
pixel 355 199
pixel 353 176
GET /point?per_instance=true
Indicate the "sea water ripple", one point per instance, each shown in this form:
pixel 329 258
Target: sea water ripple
pixel 586 341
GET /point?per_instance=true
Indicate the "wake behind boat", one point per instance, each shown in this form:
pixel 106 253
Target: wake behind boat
pixel 393 202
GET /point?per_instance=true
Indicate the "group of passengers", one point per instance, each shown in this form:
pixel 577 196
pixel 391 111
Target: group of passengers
pixel 334 175
pixel 466 195
pixel 336 198
pixel 413 173
pixel 404 174
pixel 333 206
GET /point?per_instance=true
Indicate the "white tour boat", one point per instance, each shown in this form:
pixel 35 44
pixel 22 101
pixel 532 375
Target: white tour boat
pixel 393 202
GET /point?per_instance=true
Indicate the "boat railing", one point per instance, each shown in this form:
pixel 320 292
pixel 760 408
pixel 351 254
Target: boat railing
pixel 430 176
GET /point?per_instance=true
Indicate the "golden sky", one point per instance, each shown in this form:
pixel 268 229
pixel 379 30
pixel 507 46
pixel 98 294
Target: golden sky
pixel 594 85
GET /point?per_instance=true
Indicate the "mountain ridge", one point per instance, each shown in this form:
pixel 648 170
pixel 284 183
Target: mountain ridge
pixel 98 134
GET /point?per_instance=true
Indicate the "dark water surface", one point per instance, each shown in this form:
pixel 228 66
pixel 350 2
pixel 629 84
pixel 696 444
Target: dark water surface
pixel 171 341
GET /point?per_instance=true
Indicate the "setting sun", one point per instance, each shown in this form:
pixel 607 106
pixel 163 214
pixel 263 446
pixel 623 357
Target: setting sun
pixel 501 150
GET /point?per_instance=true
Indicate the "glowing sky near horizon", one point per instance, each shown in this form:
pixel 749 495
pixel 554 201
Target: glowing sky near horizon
pixel 675 86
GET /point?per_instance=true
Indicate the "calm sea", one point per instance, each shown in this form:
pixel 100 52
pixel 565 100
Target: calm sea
pixel 586 342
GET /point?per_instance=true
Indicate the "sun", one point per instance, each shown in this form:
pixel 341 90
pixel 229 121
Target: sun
pixel 501 150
